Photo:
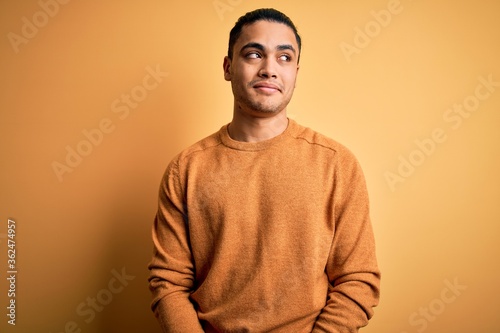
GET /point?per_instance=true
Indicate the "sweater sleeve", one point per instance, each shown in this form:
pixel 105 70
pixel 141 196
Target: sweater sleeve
pixel 171 269
pixel 352 270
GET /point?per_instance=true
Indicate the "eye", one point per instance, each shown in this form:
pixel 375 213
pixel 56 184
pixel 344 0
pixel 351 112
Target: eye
pixel 253 55
pixel 285 57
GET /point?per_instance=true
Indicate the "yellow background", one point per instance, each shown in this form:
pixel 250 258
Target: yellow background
pixel 437 225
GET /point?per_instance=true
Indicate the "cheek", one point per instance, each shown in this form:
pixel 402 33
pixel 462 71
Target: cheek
pixel 243 69
pixel 239 76
pixel 289 80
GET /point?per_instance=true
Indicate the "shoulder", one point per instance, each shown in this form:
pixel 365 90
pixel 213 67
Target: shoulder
pixel 347 167
pixel 202 146
pixel 321 141
pixel 195 152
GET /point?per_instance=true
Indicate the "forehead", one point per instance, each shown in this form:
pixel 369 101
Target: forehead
pixel 268 34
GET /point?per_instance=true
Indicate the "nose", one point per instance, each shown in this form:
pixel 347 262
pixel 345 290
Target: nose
pixel 267 70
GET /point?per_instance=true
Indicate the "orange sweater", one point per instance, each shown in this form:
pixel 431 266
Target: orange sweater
pixel 272 236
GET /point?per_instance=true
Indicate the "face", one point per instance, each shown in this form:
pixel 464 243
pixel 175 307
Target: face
pixel 264 68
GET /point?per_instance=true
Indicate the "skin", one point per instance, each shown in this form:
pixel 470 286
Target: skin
pixel 263 72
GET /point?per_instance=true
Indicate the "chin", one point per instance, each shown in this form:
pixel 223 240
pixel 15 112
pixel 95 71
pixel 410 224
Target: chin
pixel 261 109
pixel 266 108
pixel 266 111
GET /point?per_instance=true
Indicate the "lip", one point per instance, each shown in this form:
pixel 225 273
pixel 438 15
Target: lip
pixel 267 87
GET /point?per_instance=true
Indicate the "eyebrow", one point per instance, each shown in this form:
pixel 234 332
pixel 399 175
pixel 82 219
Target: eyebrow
pixel 261 47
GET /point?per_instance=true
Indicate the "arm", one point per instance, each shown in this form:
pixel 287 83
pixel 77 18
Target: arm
pixel 354 278
pixel 171 269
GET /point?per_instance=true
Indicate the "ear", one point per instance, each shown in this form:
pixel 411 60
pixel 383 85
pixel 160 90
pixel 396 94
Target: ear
pixel 227 68
pixel 297 73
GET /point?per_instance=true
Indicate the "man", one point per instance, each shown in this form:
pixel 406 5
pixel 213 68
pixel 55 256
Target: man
pixel 264 225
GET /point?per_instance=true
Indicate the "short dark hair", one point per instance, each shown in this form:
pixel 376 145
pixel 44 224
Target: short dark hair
pixel 263 14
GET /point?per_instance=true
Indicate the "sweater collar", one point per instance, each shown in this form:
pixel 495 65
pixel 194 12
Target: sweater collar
pixel 256 146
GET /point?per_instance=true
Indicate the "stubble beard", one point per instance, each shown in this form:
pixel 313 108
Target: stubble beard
pixel 266 107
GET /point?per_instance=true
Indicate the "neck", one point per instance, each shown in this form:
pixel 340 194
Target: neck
pixel 247 128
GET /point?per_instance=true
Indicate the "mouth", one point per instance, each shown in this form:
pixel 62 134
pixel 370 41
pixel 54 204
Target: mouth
pixel 267 87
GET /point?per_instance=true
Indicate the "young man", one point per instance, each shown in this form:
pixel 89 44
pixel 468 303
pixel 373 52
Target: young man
pixel 264 225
